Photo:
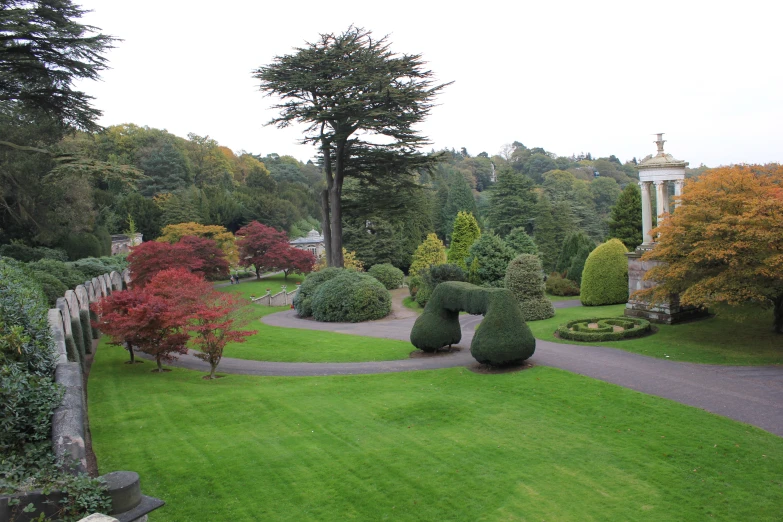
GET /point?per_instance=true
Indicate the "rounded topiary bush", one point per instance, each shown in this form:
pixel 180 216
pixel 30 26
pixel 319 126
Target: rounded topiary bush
pixel 605 276
pixel 389 275
pixel 526 283
pixel 304 296
pixel 604 329
pixel 351 297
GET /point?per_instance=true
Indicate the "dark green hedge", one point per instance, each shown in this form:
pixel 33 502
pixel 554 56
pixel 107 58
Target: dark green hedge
pixel 303 300
pixel 429 279
pixel 503 338
pixel 577 330
pixel 27 254
pixel 351 297
pixel 389 275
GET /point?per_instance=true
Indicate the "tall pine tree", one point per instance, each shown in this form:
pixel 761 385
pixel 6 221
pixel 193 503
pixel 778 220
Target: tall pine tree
pixel 511 202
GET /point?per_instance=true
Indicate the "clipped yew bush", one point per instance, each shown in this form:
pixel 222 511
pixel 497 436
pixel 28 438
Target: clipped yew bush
pixel 351 297
pixel 525 281
pixel 389 275
pixel 503 338
pixel 605 277
pixel 465 232
pixel 304 296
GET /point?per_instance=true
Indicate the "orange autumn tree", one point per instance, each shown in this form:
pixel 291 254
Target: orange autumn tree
pixel 724 242
pixel 218 234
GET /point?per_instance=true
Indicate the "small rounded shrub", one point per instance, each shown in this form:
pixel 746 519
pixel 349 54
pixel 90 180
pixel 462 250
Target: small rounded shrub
pixel 605 277
pixel 558 285
pixel 423 295
pixel 526 283
pixel 304 296
pixel 389 275
pixel 607 329
pixel 351 297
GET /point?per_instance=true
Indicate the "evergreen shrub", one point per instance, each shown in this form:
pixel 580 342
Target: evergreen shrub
pixel 351 297
pixel 465 232
pixel 491 257
pixel 83 244
pixel 520 242
pixel 577 267
pixel 578 330
pixel 503 338
pixel 389 275
pixel 526 283
pixel 68 275
pixel 304 296
pixel 27 254
pixel 430 252
pixel 558 285
pixel 52 287
pixel 605 277
pixel 574 242
pixel 423 295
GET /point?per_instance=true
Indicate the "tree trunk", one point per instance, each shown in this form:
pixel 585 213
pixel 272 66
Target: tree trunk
pixel 325 225
pixel 336 223
pixel 778 314
pixel 160 366
pixel 212 372
pixel 129 346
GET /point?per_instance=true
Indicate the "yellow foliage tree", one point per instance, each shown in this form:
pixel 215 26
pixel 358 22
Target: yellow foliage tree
pixel 724 241
pixel 224 239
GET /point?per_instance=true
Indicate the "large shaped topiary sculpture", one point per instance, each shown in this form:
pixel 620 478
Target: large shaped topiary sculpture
pixel 503 338
pixel 351 297
pixel 605 277
pixel 525 280
pixel 303 300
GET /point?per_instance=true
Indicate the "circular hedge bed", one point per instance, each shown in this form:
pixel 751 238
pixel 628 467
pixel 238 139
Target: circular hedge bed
pixel 604 329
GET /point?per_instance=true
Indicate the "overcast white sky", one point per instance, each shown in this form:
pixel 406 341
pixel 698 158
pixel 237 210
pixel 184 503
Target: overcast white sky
pixel 570 76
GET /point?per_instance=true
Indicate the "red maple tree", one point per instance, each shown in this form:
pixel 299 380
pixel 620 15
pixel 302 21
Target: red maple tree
pixel 255 241
pixel 153 318
pixel 195 254
pixel 215 322
pixel 290 259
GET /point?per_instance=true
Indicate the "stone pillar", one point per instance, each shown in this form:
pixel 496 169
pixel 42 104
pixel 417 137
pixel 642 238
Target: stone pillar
pixel 678 184
pixel 662 199
pixel 646 212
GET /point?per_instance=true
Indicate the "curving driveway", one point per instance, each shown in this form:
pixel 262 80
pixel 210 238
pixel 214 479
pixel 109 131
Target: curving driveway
pixel 751 394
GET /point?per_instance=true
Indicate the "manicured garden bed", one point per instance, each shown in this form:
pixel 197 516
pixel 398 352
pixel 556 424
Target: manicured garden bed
pixel 439 445
pixel 274 343
pixel 716 340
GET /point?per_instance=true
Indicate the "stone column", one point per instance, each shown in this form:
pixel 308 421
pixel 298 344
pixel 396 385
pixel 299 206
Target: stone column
pixel 678 191
pixel 646 212
pixel 662 199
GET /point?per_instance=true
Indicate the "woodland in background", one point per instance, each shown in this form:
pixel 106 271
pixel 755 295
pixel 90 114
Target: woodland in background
pixel 162 179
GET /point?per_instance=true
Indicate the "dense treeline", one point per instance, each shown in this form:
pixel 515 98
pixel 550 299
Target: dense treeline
pixel 160 179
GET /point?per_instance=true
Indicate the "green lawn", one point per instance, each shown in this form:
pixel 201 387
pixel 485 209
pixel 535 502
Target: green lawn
pixel 273 343
pixel 411 304
pixel 258 288
pixel 717 340
pixel 541 444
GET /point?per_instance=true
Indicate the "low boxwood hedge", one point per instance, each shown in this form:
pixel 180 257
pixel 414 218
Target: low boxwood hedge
pixel 578 329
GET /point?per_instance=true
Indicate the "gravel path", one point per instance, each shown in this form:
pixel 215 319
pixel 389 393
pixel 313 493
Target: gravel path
pixel 751 394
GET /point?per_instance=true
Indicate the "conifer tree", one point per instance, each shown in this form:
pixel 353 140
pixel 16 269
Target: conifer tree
pixel 430 252
pixel 464 234
pixel 625 221
pixel 489 258
pixel 553 223
pixel 572 244
pixel 511 202
pixel 520 242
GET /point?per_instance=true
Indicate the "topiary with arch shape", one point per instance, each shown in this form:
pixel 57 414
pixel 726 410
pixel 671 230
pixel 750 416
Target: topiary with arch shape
pixel 503 338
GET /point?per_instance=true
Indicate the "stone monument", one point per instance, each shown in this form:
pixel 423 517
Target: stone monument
pixel 661 171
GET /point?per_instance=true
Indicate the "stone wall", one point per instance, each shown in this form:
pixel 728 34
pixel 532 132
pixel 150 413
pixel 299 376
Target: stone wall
pixel 281 298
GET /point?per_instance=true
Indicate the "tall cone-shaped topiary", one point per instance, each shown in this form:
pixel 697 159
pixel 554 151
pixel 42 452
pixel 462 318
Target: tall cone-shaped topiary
pixel 525 280
pixel 605 277
pixel 466 231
